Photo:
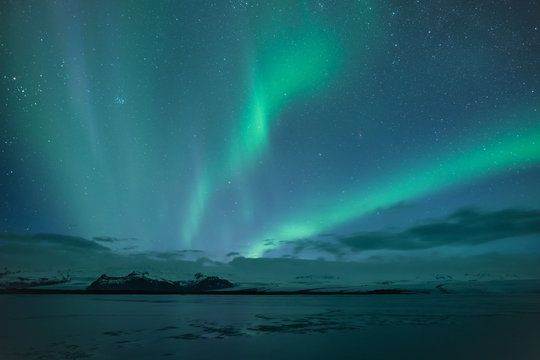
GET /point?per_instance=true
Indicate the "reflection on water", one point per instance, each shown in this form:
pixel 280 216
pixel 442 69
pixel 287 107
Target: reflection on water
pixel 198 326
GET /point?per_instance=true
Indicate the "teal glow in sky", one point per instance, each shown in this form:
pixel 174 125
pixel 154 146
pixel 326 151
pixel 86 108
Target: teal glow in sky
pixel 457 167
pixel 293 66
pixel 242 126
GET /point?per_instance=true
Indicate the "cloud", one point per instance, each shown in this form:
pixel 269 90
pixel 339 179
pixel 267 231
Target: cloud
pixel 333 248
pixel 176 254
pixel 189 251
pixel 45 254
pixel 465 227
pixel 84 261
pixel 65 242
pixel 110 239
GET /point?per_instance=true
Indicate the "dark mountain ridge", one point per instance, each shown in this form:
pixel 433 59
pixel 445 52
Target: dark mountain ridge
pixel 137 281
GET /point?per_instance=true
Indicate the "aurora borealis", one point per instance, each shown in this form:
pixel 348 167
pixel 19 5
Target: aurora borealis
pixel 246 126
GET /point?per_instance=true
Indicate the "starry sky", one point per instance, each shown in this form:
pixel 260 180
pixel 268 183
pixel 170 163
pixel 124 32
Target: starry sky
pixel 308 129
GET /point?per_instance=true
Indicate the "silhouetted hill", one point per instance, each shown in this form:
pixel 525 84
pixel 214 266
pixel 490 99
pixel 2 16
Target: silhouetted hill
pixel 24 282
pixel 136 281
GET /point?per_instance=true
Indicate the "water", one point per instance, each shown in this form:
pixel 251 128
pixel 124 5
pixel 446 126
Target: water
pixel 423 326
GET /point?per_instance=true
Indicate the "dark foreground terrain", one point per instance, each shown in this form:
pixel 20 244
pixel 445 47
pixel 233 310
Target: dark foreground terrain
pixel 404 326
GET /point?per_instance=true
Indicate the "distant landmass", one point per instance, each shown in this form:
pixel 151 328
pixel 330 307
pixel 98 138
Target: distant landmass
pixel 24 282
pixel 137 281
pixel 18 282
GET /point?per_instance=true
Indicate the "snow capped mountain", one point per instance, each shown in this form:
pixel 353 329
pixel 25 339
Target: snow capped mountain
pixel 137 281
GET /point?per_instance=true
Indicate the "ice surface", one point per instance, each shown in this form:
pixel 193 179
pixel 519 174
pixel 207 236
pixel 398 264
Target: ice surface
pixel 419 326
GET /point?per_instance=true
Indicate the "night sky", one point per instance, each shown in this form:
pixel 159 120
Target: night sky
pixel 308 129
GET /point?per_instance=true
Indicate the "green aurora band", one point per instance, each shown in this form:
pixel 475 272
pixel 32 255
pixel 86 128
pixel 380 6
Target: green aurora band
pixel 435 173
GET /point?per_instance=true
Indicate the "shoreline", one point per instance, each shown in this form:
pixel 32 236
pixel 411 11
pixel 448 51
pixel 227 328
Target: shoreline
pixel 228 292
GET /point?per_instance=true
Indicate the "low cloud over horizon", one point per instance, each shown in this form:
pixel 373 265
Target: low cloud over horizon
pixel 464 227
pixel 418 251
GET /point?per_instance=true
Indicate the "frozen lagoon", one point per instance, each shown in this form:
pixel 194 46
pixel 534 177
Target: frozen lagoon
pixel 414 326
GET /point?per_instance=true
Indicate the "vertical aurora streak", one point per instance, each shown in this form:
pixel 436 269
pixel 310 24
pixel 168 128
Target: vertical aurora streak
pixel 296 67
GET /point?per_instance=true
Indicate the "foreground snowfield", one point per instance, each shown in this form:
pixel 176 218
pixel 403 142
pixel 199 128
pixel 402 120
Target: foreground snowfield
pixel 415 326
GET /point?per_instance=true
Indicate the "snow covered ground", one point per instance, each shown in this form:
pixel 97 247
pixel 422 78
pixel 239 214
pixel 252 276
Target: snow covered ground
pixel 416 326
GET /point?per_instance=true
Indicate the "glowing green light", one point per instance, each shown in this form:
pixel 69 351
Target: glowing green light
pixel 500 155
pixel 288 70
